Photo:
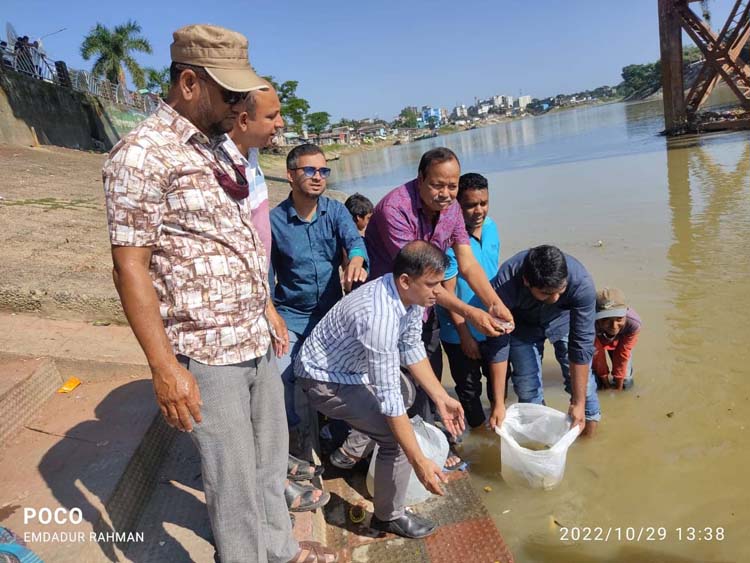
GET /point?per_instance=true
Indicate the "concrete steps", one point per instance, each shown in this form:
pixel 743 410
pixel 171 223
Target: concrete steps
pixel 102 449
pixel 95 450
pixel 89 457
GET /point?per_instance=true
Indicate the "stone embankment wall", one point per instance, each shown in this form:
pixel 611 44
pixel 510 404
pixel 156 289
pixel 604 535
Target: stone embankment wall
pixel 35 111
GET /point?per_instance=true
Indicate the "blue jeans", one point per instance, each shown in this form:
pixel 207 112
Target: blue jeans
pixel 526 359
pixel 286 369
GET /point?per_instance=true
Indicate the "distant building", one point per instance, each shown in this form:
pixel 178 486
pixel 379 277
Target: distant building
pixel 523 101
pixel 460 111
pixel 431 114
pixel 371 132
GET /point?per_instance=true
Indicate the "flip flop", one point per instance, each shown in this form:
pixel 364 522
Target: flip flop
pixel 460 465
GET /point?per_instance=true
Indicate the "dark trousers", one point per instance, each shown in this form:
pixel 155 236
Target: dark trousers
pixel 423 405
pixel 467 373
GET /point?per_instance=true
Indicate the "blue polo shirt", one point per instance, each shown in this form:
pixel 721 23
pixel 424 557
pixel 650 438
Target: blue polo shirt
pixel 572 315
pixel 487 252
pixel 305 256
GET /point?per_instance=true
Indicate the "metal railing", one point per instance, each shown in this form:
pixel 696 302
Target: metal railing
pixel 31 62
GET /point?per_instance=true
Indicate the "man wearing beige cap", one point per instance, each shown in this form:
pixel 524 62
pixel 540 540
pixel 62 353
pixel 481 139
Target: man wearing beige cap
pixel 192 277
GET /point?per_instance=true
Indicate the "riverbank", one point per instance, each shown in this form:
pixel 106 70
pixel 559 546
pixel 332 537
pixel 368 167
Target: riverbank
pixel 54 248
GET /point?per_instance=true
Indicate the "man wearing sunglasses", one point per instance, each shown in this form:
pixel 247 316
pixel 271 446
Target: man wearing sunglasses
pixel 192 277
pixel 311 233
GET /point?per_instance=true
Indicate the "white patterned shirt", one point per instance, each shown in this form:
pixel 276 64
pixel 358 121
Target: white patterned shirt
pixel 208 266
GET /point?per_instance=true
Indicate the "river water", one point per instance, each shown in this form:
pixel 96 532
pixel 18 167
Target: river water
pixel 673 219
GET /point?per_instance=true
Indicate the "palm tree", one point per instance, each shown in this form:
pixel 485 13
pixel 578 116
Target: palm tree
pixel 158 81
pixel 114 49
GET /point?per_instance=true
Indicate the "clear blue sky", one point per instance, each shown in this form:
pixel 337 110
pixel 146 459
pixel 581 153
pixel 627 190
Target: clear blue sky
pixel 363 59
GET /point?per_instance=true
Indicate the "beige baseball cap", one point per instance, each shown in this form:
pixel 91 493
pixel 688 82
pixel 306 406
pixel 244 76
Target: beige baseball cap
pixel 222 52
pixel 610 302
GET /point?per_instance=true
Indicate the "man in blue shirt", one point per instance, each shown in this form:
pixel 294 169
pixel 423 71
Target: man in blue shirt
pixel 463 344
pixel 310 234
pixel 551 296
pixel 350 370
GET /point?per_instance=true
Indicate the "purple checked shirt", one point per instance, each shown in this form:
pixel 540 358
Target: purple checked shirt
pixel 398 219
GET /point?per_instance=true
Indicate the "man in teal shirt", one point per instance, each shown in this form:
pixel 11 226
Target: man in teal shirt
pixel 463 344
pixel 310 234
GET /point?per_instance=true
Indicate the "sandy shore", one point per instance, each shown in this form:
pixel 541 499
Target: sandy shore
pixel 54 247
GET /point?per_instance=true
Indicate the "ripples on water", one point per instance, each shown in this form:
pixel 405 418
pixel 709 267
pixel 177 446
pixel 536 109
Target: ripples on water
pixel 674 221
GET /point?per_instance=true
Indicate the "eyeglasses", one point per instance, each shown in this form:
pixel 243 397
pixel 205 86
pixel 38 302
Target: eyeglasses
pixel 237 189
pixel 230 98
pixel 309 171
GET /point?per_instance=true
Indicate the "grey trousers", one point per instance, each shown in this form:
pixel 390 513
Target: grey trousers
pixel 359 445
pixel 358 406
pixel 243 444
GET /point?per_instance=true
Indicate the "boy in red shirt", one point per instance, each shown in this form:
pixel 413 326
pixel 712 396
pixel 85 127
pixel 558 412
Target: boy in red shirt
pixel 617 329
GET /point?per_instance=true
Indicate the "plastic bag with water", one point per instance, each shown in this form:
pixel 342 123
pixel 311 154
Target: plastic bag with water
pixel 534 442
pixel 434 445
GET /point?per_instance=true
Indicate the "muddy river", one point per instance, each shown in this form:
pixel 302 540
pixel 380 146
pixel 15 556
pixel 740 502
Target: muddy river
pixel 669 223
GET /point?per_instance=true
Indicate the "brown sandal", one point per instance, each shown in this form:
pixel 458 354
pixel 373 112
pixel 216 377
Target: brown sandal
pixel 316 553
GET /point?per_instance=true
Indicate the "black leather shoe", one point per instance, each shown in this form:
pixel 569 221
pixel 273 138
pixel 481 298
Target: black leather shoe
pixel 408 525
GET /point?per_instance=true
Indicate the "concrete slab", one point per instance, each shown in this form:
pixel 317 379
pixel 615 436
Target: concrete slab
pixel 24 387
pixel 73 455
pixel 175 522
pixel 14 369
pixel 92 351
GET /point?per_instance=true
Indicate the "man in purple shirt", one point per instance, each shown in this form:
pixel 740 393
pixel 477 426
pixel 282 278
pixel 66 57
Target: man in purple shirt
pixel 426 209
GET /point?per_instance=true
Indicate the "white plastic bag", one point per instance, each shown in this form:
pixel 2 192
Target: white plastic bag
pixel 434 445
pixel 526 433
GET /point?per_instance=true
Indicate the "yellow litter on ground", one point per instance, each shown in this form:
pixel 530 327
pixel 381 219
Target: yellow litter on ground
pixel 69 385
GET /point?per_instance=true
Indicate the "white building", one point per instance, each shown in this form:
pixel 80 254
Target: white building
pixel 523 101
pixel 502 101
pixel 460 111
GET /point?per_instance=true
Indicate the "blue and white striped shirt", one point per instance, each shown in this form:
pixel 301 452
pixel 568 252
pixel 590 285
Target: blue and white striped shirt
pixel 363 340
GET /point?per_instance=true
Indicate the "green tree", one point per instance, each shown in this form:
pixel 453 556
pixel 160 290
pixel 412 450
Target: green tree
pixel 114 50
pixel 408 118
pixel 318 121
pixel 293 108
pixel 158 81
pixel 640 77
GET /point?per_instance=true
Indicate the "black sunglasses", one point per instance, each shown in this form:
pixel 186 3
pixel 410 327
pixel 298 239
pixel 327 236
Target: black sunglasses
pixel 309 171
pixel 230 98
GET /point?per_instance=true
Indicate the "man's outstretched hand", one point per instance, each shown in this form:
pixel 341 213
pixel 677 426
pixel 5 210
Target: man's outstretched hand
pixel 452 414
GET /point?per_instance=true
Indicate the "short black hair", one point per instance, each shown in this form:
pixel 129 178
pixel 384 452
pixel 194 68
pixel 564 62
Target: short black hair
pixel 471 181
pixel 358 205
pixel 417 258
pixel 292 159
pixel 251 102
pixel 545 267
pixel 176 69
pixel 436 156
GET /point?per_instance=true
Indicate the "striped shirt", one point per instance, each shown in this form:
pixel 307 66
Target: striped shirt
pixel 363 340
